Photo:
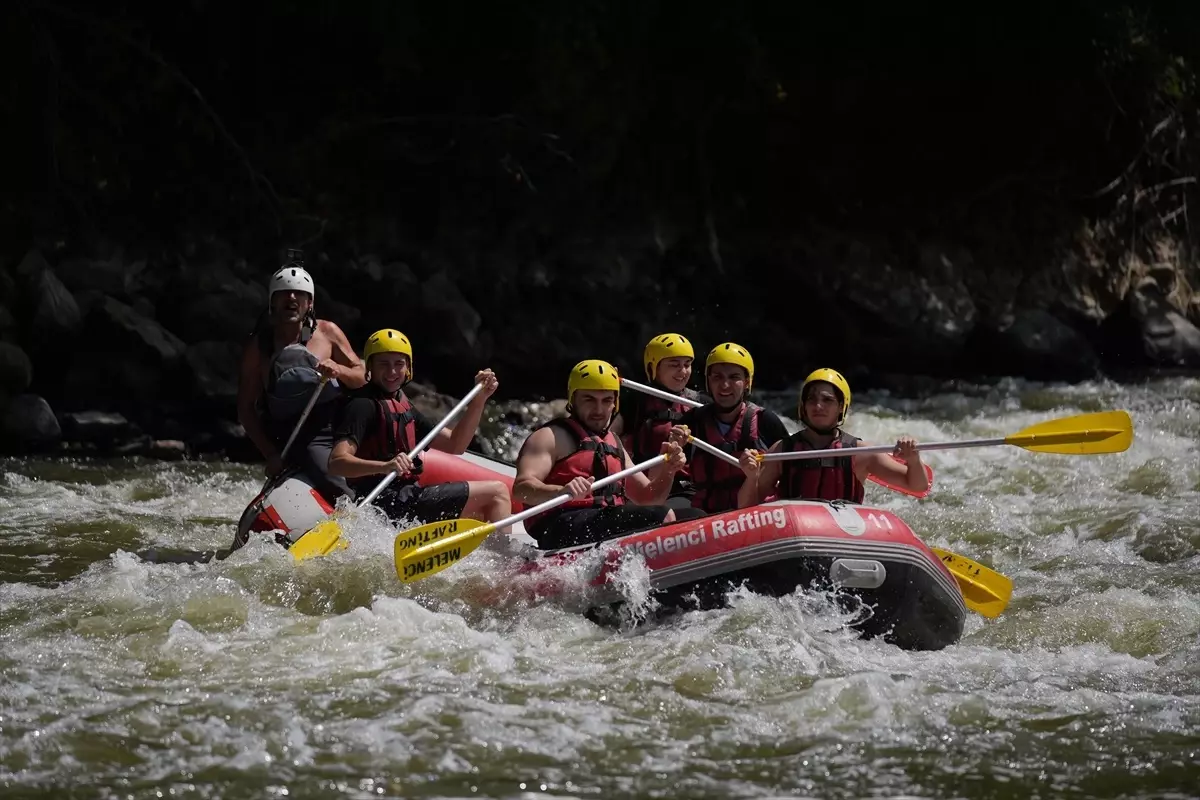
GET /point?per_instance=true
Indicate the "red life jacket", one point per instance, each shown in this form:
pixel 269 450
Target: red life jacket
pixel 820 478
pixel 652 423
pixel 594 456
pixel 717 482
pixel 394 432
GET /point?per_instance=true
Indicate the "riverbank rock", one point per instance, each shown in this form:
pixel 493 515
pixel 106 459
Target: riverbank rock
pixel 1035 344
pixel 167 450
pixel 1168 338
pixel 8 322
pixel 213 370
pixel 104 430
pixel 29 426
pixel 53 314
pixel 126 363
pixel 16 370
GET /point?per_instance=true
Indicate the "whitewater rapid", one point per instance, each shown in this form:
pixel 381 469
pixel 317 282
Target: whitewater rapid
pixel 257 677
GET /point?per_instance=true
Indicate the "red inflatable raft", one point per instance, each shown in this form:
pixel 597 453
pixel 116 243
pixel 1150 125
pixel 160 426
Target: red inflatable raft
pixel 868 556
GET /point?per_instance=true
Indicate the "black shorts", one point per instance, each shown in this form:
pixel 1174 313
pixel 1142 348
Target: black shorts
pixel 425 504
pixel 578 526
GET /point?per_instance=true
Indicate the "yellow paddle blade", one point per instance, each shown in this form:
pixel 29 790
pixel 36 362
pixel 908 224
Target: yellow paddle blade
pixel 984 590
pixel 1083 434
pixel 443 548
pixel 320 541
pixel 433 532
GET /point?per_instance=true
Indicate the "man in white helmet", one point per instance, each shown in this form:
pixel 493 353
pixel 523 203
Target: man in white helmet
pixel 282 363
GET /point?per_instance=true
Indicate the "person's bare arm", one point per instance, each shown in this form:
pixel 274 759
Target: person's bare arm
pixel 652 487
pixel 351 370
pixel 769 473
pixel 458 438
pixel 910 474
pixel 533 465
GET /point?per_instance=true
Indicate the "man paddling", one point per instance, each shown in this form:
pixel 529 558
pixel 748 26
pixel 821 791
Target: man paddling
pixel 283 361
pixel 379 426
pixel 823 408
pixel 730 423
pixel 644 422
pixel 569 454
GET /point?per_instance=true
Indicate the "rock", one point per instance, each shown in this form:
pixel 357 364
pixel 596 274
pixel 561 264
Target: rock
pixel 167 450
pixel 1093 282
pixel 129 364
pixel 45 306
pixel 137 446
pixel 101 429
pixel 8 286
pixel 111 276
pixel 461 323
pixel 214 371
pixel 1168 338
pixel 55 312
pixel 8 323
pixel 122 326
pixel 224 314
pixel 345 316
pixel 144 307
pixel 32 264
pixel 29 425
pixel 16 370
pixel 360 278
pixel 1034 344
pixel 223 436
pixel 426 399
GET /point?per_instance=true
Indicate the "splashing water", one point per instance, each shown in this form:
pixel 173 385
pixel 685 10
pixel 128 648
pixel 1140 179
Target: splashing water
pixel 255 676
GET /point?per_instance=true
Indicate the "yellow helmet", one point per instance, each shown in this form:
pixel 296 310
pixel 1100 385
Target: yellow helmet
pixel 389 340
pixel 832 376
pixel 668 345
pixel 594 375
pixel 731 353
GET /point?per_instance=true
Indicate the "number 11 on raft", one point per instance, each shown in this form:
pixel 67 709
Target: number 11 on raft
pixel 880 520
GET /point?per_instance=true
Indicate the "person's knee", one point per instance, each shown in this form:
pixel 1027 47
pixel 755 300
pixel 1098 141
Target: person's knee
pixel 487 491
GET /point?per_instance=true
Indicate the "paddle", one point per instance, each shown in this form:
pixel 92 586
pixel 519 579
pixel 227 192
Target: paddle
pixel 660 394
pixel 327 536
pixel 1083 434
pixel 429 549
pixel 715 452
pixel 984 590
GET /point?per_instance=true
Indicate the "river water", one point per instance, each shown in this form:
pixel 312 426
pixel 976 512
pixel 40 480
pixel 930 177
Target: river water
pixel 254 677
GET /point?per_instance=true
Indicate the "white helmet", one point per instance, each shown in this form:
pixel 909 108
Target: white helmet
pixel 288 278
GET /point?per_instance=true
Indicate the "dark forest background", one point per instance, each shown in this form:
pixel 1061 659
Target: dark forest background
pixel 930 188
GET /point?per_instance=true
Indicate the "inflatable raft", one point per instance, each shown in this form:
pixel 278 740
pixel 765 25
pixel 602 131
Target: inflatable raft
pixel 873 562
pixel 876 567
